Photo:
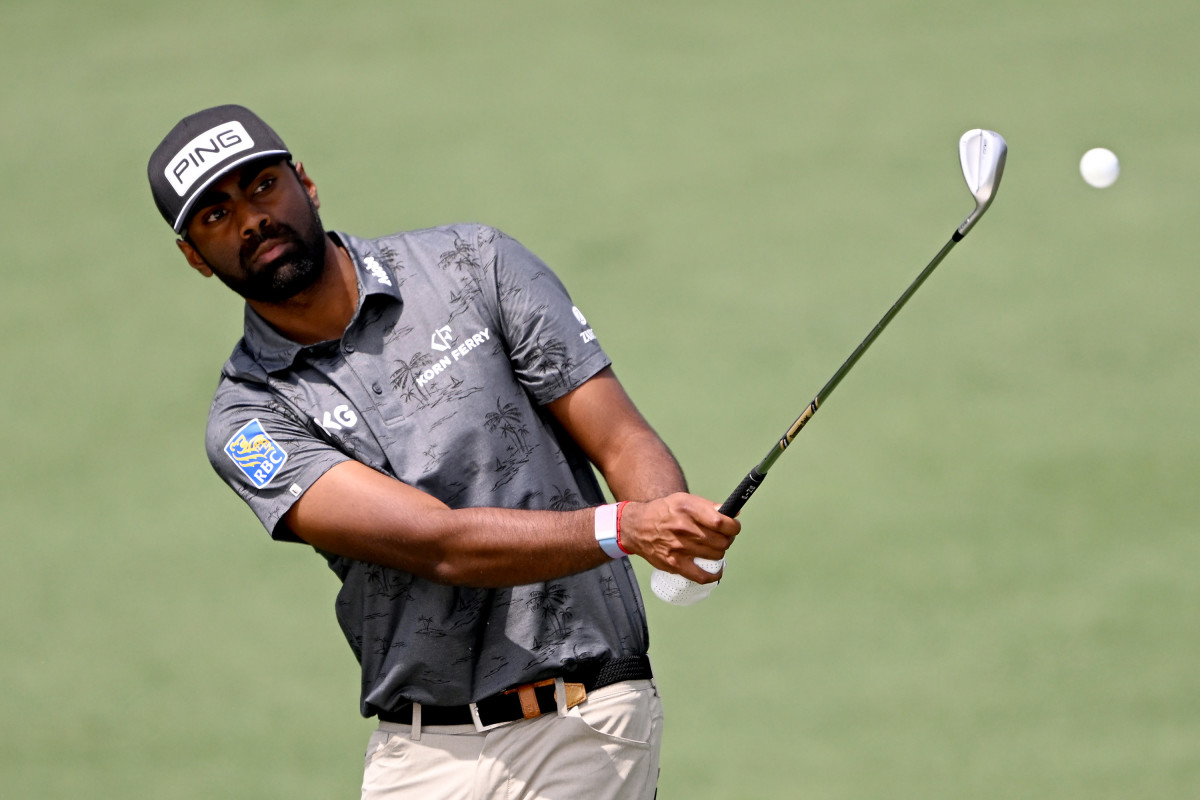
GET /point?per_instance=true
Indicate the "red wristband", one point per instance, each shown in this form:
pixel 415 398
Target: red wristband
pixel 621 508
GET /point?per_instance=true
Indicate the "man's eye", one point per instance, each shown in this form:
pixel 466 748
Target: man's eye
pixel 214 215
pixel 263 185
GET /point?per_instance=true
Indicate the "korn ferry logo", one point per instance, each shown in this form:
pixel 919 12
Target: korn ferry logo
pixel 256 454
pixel 443 340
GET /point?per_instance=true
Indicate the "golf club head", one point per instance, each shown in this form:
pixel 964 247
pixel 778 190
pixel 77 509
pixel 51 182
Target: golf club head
pixel 982 155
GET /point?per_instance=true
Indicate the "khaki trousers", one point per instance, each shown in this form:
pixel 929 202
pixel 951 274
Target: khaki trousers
pixel 606 748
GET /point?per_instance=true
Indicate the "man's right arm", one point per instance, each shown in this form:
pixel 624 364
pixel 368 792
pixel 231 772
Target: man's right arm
pixel 357 512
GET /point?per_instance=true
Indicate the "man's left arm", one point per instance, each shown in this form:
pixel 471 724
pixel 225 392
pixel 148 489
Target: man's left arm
pixel 551 346
pixel 637 465
pixel 604 422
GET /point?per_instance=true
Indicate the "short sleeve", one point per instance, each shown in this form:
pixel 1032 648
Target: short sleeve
pixel 265 452
pixel 552 347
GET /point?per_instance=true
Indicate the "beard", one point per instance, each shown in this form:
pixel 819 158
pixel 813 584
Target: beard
pixel 288 274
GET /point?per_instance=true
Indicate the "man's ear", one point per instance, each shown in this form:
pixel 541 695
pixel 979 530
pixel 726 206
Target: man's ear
pixel 308 184
pixel 194 259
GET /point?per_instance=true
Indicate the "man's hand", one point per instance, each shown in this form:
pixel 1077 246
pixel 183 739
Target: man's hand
pixel 672 531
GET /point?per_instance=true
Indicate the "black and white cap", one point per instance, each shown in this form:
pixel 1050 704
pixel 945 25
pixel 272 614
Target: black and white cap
pixel 202 148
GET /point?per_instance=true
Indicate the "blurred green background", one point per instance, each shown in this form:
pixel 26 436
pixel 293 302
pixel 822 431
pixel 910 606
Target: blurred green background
pixel 974 575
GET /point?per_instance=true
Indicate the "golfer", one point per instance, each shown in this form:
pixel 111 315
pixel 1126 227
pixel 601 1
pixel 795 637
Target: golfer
pixel 425 411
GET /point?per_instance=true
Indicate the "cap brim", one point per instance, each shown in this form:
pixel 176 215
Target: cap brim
pixel 211 179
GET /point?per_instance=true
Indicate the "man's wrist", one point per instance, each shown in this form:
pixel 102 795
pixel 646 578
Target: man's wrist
pixel 608 529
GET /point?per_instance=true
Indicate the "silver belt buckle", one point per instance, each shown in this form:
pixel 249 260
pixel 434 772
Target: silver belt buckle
pixel 560 699
pixel 479 726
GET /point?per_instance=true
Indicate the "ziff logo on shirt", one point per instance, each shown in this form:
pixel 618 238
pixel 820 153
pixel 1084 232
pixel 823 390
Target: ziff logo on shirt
pixel 256 454
pixel 586 335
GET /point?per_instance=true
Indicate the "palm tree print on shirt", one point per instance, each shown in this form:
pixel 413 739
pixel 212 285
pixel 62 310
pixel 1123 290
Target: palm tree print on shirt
pixel 394 264
pixel 388 583
pixel 551 603
pixel 464 260
pixel 406 374
pixel 506 420
pixel 552 356
pixel 417 384
pixel 565 500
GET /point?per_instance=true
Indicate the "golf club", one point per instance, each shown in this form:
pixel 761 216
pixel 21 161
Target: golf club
pixel 982 154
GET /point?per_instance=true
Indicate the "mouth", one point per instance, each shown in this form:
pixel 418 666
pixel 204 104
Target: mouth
pixel 269 251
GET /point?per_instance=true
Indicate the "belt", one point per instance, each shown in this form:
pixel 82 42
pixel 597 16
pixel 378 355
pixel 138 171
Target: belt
pixel 528 700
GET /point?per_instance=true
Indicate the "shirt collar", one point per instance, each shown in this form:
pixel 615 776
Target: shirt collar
pixel 273 351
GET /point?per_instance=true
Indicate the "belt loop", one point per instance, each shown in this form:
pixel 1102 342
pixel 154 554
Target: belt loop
pixel 416 722
pixel 560 696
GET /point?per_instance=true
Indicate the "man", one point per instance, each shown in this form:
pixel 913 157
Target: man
pixel 422 409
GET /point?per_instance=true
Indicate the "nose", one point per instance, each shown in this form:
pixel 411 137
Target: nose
pixel 253 219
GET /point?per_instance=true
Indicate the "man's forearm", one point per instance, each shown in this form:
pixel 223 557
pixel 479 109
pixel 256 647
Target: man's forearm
pixel 645 469
pixel 359 513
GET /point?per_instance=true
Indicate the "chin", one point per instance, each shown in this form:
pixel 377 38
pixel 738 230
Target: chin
pixel 292 278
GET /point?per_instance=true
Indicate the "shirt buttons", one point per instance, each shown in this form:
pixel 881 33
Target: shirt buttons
pixel 347 348
pixel 376 388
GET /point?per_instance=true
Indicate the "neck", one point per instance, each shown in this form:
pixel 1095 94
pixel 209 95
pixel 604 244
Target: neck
pixel 322 311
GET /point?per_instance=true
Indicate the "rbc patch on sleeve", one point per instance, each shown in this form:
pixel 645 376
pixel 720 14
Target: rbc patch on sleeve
pixel 255 453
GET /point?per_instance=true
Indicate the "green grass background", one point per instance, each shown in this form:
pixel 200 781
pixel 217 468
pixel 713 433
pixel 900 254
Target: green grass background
pixel 974 575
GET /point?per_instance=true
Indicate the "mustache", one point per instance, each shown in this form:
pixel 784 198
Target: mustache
pixel 266 231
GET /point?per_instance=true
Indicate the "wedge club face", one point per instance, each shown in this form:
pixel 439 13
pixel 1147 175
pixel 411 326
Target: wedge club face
pixel 982 154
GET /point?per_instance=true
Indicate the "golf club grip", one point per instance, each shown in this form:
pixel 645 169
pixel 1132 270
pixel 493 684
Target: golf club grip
pixel 745 490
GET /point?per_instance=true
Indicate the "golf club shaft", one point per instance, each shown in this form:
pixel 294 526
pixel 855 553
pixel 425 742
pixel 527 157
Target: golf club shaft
pixel 981 154
pixel 754 478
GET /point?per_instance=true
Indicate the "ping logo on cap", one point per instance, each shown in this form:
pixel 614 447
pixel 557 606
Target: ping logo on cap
pixel 256 454
pixel 204 152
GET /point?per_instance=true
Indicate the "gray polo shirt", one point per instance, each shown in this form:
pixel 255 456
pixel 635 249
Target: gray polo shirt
pixel 440 380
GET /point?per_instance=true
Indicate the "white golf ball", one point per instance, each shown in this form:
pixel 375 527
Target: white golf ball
pixel 1099 167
